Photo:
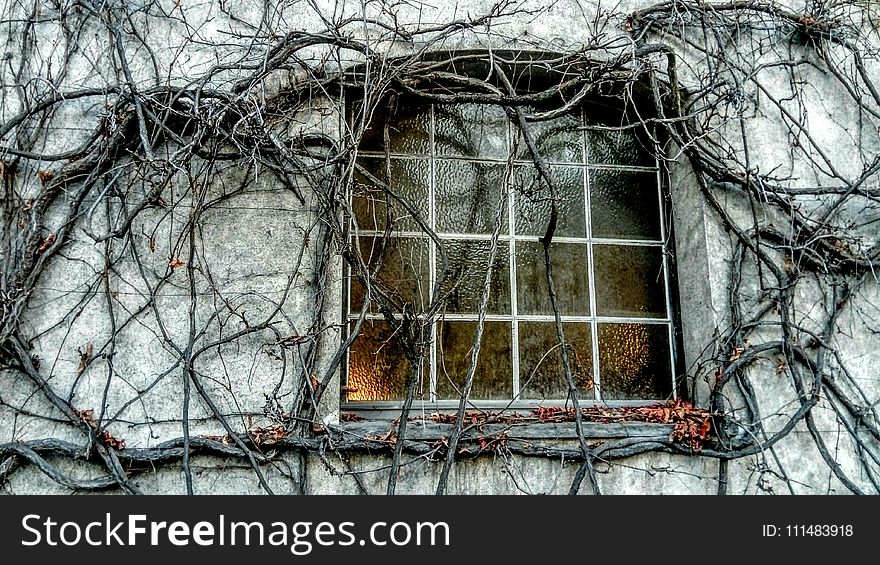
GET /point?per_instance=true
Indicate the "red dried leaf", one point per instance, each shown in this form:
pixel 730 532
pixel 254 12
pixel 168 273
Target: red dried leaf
pixel 87 416
pixel 84 358
pixel 47 243
pixel 267 436
pixel 294 340
pixel 111 441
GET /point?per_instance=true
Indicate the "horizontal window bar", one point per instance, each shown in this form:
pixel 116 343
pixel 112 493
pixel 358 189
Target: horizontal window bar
pixel 528 238
pixel 534 318
pixel 477 404
pixel 426 157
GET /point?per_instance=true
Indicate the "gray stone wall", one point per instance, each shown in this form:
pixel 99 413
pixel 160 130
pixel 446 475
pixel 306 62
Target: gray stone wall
pixel 228 284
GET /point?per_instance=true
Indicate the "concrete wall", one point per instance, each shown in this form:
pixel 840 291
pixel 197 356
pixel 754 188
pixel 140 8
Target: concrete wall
pixel 253 234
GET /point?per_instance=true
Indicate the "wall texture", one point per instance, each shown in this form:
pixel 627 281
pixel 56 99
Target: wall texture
pixel 175 187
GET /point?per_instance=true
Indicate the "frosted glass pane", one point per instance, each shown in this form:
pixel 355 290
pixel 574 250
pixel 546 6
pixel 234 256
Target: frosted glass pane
pixel 625 204
pixel 558 140
pixel 471 130
pixel 624 147
pixel 378 367
pixel 403 274
pixel 634 361
pixel 408 126
pixel 629 281
pixel 468 261
pixel 533 201
pixel 542 373
pixel 570 278
pixel 494 376
pixel 408 179
pixel 468 196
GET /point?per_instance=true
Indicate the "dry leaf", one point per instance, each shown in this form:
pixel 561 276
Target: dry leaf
pixel 111 441
pixel 808 21
pixel 294 340
pixel 87 416
pixel 84 358
pixel 47 243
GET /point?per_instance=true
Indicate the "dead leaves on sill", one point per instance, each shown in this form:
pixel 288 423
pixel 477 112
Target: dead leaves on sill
pixel 692 426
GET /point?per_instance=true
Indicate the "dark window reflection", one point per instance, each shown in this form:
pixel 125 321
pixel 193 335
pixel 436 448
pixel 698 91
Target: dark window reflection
pixel 469 196
pixel 570 278
pixel 493 377
pixel 629 281
pixel 466 276
pixel 625 204
pixel 401 271
pixel 541 370
pixel 381 192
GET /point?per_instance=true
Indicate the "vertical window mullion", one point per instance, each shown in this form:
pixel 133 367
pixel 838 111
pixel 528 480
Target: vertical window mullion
pixel 665 257
pixel 346 298
pixel 511 230
pixel 591 275
pixel 432 251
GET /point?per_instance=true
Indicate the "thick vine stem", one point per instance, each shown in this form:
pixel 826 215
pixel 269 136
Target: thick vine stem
pixel 179 238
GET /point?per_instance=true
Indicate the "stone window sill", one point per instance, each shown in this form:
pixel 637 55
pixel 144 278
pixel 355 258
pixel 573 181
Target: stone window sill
pixel 427 430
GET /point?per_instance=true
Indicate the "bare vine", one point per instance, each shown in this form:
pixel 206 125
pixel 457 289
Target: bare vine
pixel 132 188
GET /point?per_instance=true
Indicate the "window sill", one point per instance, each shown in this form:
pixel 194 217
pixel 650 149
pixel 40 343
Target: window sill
pixel 428 430
pixel 649 420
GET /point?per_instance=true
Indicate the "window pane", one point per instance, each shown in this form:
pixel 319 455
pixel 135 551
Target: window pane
pixel 403 274
pixel 533 201
pixel 634 361
pixel 408 129
pixel 468 196
pixel 494 376
pixel 471 130
pixel 409 179
pixel 468 261
pixel 541 372
pixel 559 140
pixel 625 204
pixel 570 279
pixel 377 366
pixel 630 147
pixel 629 281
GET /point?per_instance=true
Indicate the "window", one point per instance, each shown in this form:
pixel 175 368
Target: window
pixel 463 171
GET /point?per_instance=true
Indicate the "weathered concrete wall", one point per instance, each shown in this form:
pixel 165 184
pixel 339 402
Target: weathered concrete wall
pixel 256 238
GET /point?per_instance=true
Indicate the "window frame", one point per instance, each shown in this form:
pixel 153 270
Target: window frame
pixel 666 242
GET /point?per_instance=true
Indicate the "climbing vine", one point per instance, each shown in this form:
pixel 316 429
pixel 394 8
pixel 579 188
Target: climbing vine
pixel 176 215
